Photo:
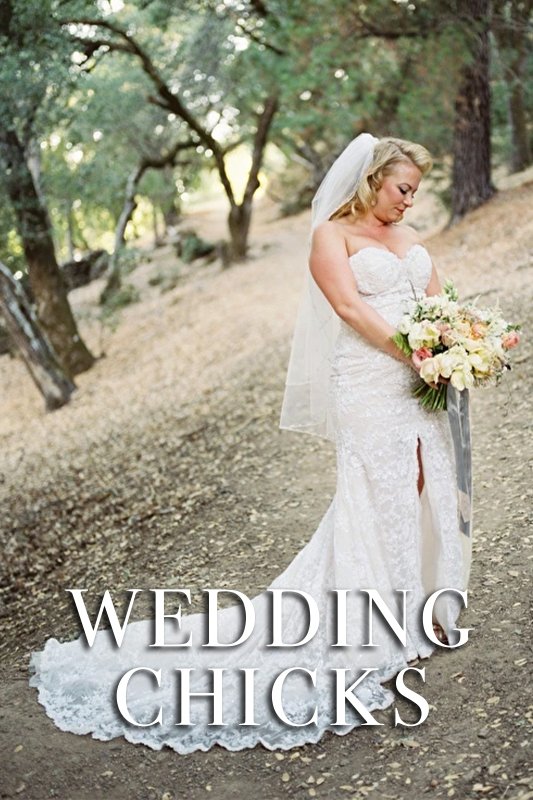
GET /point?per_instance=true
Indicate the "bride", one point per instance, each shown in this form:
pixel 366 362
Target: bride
pixel 313 651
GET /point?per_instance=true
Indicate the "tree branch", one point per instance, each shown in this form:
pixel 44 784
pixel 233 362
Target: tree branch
pixel 168 158
pixel 259 40
pixel 260 140
pixel 168 99
pixel 238 18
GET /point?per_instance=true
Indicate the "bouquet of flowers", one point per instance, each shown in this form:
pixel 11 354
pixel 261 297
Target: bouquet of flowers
pixel 458 342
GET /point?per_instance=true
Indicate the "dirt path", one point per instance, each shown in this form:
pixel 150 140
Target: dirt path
pixel 169 469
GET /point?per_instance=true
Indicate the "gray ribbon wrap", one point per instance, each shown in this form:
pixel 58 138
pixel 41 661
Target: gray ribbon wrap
pixel 458 405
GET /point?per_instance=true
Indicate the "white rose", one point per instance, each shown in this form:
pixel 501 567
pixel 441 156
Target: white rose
pixel 470 344
pixel 431 334
pixel 405 324
pixel 415 336
pixel 423 334
pixel 430 369
pixel 462 327
pixel 447 363
pixel 462 378
pixel 480 361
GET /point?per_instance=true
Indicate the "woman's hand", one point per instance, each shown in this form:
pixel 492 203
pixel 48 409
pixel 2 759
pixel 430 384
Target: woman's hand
pixel 440 380
pixel 435 385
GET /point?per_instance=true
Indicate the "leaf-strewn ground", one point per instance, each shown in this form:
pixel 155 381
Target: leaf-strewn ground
pixel 168 469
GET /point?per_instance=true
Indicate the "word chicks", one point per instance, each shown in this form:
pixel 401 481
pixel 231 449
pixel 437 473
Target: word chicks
pixel 219 658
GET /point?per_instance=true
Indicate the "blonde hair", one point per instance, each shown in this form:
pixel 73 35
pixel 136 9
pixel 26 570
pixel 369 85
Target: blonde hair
pixel 387 153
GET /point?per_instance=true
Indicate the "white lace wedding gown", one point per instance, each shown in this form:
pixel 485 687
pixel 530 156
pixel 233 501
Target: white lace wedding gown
pixel 377 533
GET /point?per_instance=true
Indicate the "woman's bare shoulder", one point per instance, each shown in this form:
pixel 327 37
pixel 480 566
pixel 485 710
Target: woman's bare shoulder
pixel 329 242
pixel 329 231
pixel 330 228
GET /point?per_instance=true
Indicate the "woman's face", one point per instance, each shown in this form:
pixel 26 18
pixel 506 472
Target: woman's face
pixel 397 192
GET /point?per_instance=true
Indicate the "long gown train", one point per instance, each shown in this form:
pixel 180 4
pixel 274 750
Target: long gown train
pixel 377 534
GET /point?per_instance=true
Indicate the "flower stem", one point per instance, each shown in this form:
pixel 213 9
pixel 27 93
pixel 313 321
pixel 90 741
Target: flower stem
pixel 431 399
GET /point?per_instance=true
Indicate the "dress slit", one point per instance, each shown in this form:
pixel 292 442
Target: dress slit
pixel 420 466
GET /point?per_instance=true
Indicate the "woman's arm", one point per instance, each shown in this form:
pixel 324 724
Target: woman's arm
pixel 433 286
pixel 330 269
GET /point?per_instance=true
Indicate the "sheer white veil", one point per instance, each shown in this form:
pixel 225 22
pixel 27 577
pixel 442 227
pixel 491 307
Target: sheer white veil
pixel 305 406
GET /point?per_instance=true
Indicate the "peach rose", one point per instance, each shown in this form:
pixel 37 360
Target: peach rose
pixel 510 339
pixel 420 355
pixel 479 329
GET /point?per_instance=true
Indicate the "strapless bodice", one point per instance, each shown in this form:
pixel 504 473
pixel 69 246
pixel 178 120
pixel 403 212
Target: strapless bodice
pixel 379 271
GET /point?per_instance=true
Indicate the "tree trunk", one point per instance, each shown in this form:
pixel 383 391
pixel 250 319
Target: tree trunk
pixel 471 178
pixel 70 232
pixel 171 217
pixel 240 215
pixel 34 348
pixel 130 204
pixel 239 219
pixel 159 236
pixel 114 279
pixel 521 150
pixel 46 281
pixel 171 205
pixel 511 31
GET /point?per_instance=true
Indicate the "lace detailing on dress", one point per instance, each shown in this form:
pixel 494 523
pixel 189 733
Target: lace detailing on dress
pixel 376 534
pixel 379 271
